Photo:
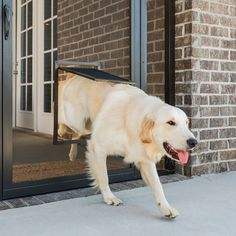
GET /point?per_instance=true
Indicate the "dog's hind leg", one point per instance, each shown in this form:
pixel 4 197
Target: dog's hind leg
pixel 149 173
pixel 97 168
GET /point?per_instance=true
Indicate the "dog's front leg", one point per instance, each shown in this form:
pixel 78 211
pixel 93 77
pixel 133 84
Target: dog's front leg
pixel 98 172
pixel 149 173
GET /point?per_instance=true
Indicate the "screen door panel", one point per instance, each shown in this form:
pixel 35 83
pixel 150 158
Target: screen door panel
pixel 35 157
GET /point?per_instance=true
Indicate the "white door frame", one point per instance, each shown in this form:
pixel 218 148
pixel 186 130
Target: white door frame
pixel 37 120
pixel 24 119
pixel 44 119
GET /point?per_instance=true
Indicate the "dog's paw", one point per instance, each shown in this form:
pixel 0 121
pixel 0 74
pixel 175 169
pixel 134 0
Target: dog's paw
pixel 169 211
pixel 112 200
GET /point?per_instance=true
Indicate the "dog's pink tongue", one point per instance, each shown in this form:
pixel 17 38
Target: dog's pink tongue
pixel 183 157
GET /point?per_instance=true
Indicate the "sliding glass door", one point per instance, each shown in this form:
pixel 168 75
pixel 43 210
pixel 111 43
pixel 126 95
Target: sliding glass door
pixel 31 163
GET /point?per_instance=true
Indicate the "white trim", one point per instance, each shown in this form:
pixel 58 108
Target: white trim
pixel 37 120
pixel 45 119
pixel 23 118
pixel 35 66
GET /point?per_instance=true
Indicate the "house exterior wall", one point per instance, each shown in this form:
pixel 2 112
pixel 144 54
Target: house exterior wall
pixel 100 31
pixel 206 81
pixel 156 48
pixel 96 31
pixel 205 63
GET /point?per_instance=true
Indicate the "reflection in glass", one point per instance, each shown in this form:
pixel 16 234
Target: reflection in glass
pixel 47 97
pixel 54 7
pixel 47 66
pixel 47 9
pixel 23 70
pixel 30 14
pixel 22 98
pixel 29 70
pixel 23 44
pixel 29 43
pixel 34 155
pixel 47 35
pixel 55 33
pixel 54 60
pixel 23 17
pixel 29 98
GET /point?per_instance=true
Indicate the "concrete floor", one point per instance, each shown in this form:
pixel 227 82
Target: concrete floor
pixel 207 207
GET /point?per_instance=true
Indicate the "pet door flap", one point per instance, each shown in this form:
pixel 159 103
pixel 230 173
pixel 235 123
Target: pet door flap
pixel 65 70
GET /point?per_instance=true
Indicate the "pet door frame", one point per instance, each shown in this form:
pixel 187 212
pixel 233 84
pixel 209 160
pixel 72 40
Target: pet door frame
pixel 8 189
pixel 59 65
pixel 70 67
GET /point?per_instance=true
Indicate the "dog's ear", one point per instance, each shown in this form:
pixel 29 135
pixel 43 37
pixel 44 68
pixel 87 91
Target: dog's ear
pixel 146 130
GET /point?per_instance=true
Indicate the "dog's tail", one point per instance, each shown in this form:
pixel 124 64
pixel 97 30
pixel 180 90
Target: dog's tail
pixel 91 165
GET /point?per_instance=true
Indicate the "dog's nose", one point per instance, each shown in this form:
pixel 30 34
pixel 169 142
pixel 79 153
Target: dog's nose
pixel 192 142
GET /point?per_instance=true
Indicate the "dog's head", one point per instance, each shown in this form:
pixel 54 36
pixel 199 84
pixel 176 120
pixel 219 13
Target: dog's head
pixel 165 131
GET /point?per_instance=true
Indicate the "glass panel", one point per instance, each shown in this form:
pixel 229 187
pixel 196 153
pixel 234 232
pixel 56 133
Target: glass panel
pixel 23 70
pixel 29 70
pixel 22 98
pixel 30 14
pixel 47 97
pixel 47 66
pixel 54 7
pixel 23 44
pixel 47 9
pixel 54 59
pixel 23 17
pixel 47 35
pixel 90 52
pixel 29 98
pixel 34 156
pixel 55 33
pixel 23 1
pixel 30 42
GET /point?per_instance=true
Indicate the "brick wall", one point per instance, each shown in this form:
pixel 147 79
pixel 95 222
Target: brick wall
pixel 97 30
pixel 155 47
pixel 100 31
pixel 206 80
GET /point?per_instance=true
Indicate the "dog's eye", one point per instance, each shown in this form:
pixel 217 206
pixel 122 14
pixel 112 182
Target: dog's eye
pixel 171 123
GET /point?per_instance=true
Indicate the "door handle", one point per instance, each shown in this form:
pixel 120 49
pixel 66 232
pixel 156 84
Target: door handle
pixel 7 20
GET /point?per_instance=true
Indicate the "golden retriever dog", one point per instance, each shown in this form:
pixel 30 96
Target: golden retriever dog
pixel 142 129
pixel 125 122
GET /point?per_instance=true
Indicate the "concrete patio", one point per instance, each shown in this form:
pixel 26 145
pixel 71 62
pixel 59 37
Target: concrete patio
pixel 207 206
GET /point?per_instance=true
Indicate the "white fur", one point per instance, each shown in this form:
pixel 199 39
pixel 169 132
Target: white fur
pixel 134 125
pixel 79 100
pixel 116 131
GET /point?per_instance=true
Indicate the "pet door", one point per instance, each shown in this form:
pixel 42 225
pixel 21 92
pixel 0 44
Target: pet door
pixel 64 70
